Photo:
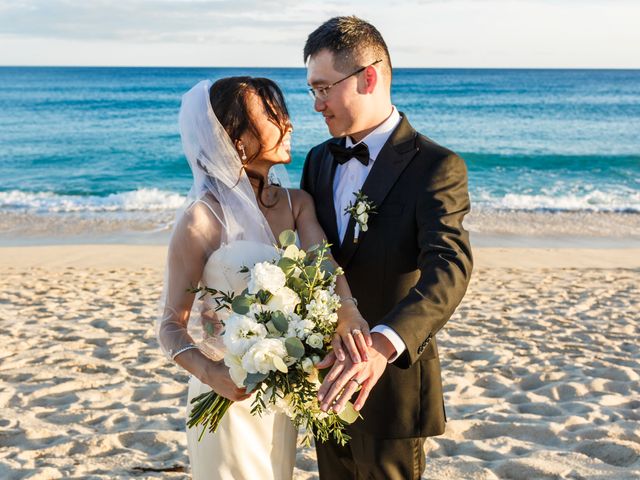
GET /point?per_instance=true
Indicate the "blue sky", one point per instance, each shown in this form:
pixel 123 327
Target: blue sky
pixel 419 33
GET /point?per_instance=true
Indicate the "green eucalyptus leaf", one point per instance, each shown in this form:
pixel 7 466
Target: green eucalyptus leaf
pixel 280 321
pixel 294 346
pixel 241 304
pixel 280 365
pixel 250 387
pixel 287 264
pixel 272 329
pixel 256 378
pixel 287 237
pixel 296 284
pixel 328 266
pixel 209 328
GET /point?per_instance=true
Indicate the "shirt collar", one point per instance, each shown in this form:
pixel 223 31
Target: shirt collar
pixel 376 139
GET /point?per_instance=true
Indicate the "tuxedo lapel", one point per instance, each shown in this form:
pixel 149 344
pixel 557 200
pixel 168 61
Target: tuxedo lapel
pixel 325 208
pixel 391 162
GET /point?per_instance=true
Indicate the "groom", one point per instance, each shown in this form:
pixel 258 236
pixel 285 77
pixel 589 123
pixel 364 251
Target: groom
pixel 408 267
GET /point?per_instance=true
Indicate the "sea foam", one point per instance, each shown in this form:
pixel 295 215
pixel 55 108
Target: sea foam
pixel 144 199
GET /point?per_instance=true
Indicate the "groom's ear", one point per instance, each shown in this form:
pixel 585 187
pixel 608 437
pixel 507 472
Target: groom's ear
pixel 371 79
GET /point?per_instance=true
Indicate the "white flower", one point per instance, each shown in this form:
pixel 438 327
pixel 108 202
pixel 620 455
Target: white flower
pixel 241 332
pixel 315 340
pixel 360 208
pixel 307 365
pixel 299 327
pixel 362 220
pixel 322 296
pixel 284 300
pixel 323 306
pixel 266 276
pixel 237 373
pixel 293 252
pixel 265 356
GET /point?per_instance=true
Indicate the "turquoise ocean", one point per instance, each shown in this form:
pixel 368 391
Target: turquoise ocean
pixel 95 152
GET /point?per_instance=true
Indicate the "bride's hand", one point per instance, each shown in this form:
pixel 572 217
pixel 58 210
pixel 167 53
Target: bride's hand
pixel 219 380
pixel 352 334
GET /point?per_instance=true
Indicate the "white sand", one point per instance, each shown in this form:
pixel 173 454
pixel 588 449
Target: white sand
pixel 541 367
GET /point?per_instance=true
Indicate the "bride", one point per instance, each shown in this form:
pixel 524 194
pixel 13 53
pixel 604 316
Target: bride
pixel 233 132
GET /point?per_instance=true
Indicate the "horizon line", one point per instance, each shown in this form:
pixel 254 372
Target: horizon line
pixel 302 68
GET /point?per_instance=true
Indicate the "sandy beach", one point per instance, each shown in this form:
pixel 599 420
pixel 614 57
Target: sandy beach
pixel 541 367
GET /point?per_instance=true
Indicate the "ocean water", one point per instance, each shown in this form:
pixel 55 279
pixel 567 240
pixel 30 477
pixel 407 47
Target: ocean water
pixel 86 150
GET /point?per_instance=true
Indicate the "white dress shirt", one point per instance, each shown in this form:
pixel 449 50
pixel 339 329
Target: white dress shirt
pixel 349 178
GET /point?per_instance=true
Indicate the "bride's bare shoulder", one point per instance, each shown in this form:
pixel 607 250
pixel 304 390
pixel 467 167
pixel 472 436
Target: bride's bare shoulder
pixel 202 217
pixel 300 199
pixel 205 208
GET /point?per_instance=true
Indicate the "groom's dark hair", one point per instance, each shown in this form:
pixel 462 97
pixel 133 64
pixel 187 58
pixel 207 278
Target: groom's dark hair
pixel 352 41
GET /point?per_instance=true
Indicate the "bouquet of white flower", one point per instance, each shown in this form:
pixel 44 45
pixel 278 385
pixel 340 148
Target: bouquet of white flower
pixel 279 327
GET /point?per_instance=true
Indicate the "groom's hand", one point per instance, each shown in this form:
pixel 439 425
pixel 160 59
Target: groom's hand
pixel 345 377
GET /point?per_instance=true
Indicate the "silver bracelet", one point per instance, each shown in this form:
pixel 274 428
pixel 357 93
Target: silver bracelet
pixel 353 299
pixel 189 346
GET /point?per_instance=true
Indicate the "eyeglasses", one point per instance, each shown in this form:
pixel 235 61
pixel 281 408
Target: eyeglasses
pixel 323 92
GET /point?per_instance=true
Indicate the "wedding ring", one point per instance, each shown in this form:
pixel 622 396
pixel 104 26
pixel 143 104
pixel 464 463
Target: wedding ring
pixel 355 331
pixel 354 379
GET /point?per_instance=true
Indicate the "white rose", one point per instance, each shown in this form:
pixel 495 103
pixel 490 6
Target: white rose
pixel 266 276
pixel 363 219
pixel 237 373
pixel 284 300
pixel 360 209
pixel 315 340
pixel 265 356
pixel 241 332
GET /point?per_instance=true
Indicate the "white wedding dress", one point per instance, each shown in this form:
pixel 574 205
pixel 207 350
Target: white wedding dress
pixel 244 446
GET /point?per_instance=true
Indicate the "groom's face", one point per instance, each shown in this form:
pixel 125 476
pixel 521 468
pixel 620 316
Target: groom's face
pixel 343 108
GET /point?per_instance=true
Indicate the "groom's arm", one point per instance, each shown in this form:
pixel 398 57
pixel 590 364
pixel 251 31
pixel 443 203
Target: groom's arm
pixel 445 260
pixel 445 265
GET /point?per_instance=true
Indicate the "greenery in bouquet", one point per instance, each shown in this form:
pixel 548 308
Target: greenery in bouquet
pixel 279 327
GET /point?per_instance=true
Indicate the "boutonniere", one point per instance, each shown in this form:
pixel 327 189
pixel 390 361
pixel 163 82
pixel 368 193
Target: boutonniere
pixel 360 211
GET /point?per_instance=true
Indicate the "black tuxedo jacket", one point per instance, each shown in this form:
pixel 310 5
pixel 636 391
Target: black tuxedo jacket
pixel 409 271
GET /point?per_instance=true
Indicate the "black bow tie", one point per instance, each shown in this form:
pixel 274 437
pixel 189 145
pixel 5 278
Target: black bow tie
pixel 342 154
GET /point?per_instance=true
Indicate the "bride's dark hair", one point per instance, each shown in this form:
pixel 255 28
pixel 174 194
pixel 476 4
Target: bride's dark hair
pixel 228 97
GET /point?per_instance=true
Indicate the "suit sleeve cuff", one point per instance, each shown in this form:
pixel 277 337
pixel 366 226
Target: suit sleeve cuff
pixel 393 337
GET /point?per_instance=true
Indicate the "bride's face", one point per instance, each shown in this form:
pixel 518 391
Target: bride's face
pixel 275 147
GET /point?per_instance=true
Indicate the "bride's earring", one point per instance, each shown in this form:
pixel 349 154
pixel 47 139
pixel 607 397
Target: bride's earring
pixel 243 157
